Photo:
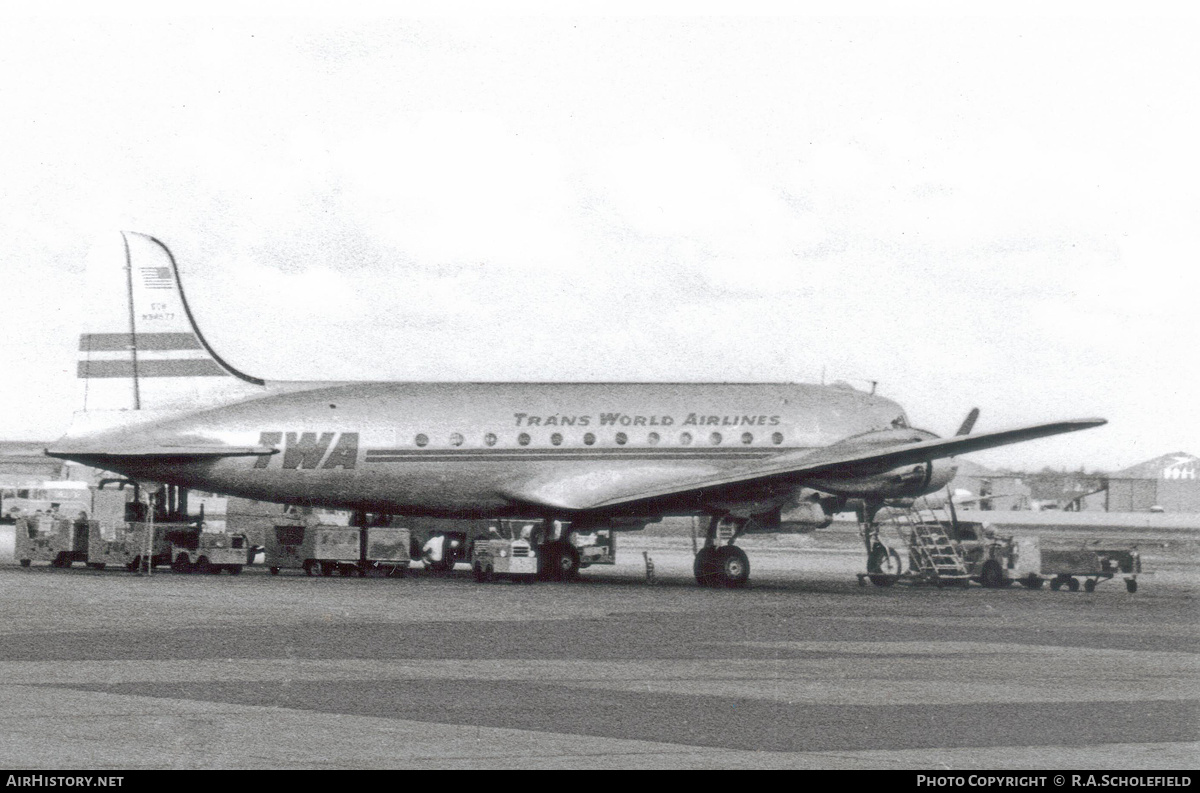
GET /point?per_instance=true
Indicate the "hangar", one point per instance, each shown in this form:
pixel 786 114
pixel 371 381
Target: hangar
pixel 1170 482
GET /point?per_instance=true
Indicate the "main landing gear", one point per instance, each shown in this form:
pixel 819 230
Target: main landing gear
pixel 718 565
pixel 558 560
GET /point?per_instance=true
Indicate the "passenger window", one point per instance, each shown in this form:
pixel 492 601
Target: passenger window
pixel 622 438
pixel 422 440
pixel 556 439
pixel 747 438
pixel 715 438
pixel 777 438
pixel 589 438
pixel 685 439
pixel 490 439
pixel 523 439
pixel 652 439
pixel 456 439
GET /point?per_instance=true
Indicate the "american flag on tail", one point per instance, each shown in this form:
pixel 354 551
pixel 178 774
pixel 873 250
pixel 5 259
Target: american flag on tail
pixel 157 277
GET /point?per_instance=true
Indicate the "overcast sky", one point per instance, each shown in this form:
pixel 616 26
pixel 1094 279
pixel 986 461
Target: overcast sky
pixel 998 212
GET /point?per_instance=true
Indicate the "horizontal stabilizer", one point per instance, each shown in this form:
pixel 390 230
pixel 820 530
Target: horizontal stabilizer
pixel 162 450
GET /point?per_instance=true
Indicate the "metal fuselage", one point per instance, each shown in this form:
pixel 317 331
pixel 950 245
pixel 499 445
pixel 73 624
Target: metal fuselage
pixel 461 449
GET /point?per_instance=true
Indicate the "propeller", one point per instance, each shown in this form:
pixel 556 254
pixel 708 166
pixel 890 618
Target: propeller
pixel 963 429
pixel 968 423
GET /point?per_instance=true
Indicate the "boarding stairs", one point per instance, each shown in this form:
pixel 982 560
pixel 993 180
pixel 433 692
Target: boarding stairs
pixel 933 554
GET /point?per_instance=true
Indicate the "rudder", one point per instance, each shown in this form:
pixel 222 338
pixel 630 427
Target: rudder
pixel 140 348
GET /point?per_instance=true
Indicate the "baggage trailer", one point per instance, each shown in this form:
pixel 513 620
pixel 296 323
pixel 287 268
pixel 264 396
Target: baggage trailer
pixel 317 549
pixel 1093 565
pixel 124 545
pixel 209 552
pixel 385 550
pixel 63 542
pixel 49 538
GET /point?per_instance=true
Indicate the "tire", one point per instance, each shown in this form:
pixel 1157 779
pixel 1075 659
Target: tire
pixel 26 562
pixel 204 567
pixel 312 567
pixel 549 561
pixel 1131 586
pixel 135 564
pixel 234 569
pixel 568 562
pixel 327 569
pixel 704 567
pixel 346 570
pixel 182 564
pixel 886 562
pixel 1089 585
pixel 480 575
pixel 274 571
pixel 733 567
pixel 992 576
pixel 1073 584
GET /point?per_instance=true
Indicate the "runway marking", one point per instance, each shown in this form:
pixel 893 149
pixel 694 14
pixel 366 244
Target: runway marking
pixel 833 674
pixel 966 648
pixel 57 728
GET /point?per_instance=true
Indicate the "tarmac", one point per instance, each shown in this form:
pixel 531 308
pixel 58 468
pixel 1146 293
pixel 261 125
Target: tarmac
pixel 803 669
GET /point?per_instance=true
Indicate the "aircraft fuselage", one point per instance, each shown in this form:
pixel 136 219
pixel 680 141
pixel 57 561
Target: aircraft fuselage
pixel 463 448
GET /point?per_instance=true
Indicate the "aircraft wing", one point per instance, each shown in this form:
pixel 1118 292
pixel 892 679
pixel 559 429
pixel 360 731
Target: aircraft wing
pixel 852 457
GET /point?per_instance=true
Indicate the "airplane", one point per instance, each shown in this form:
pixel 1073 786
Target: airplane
pixel 160 405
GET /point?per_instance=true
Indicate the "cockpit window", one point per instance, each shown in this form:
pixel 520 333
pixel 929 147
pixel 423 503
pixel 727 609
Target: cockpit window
pixel 900 423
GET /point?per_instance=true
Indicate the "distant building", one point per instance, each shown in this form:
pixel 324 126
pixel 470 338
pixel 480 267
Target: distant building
pixel 982 488
pixel 1070 491
pixel 1170 482
pixel 24 462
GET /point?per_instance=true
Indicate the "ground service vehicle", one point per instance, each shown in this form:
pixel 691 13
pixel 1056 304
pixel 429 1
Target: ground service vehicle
pixel 125 545
pixel 1093 565
pixel 385 550
pixel 996 560
pixel 49 538
pixel 209 552
pixel 63 542
pixel 507 551
pixel 317 549
pixel 321 549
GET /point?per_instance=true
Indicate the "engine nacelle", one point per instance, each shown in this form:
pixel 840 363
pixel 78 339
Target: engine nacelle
pixel 906 481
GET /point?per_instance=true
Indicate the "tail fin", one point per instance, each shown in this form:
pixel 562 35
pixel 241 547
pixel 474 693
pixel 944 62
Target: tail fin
pixel 140 349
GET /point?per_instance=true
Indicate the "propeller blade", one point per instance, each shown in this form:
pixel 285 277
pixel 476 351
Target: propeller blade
pixel 968 423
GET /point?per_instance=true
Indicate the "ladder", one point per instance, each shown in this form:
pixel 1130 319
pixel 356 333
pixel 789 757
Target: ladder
pixel 934 555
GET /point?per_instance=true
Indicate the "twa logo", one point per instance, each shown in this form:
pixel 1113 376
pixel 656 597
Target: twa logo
pixel 311 450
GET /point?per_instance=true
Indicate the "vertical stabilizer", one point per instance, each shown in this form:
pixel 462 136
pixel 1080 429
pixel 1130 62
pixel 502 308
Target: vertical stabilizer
pixel 140 349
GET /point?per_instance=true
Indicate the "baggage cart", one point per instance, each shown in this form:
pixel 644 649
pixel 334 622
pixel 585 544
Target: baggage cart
pixel 318 549
pixel 385 550
pixel 1092 565
pixel 122 545
pixel 49 538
